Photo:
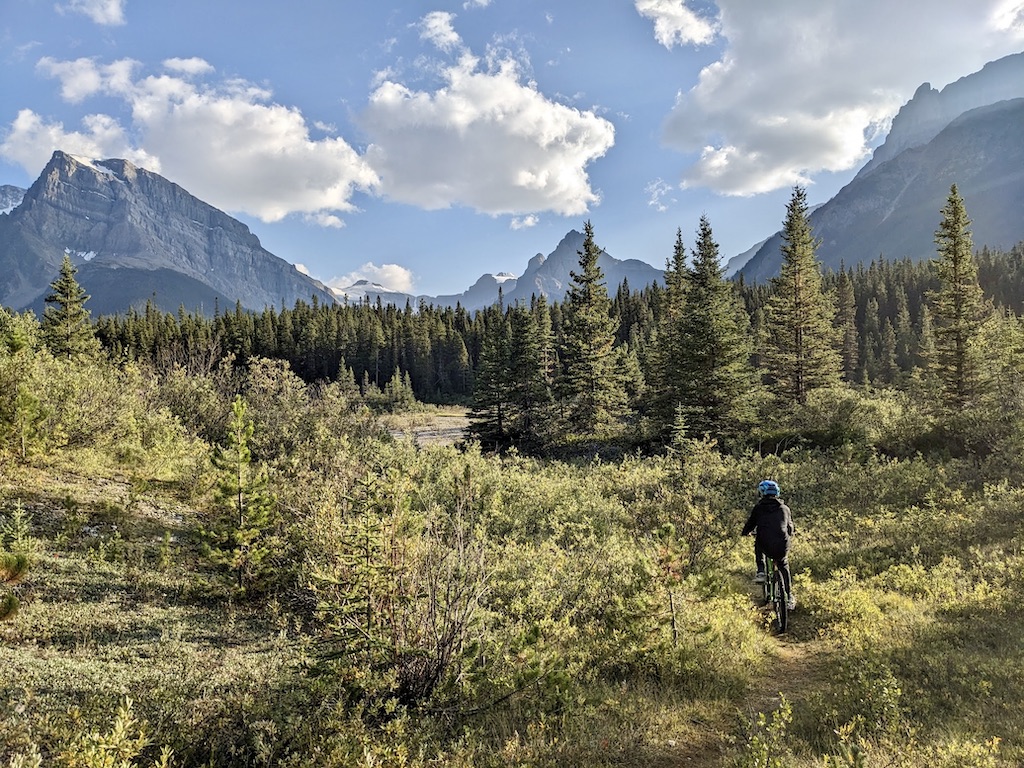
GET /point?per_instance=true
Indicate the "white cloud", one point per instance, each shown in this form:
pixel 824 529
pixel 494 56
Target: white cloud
pixel 524 222
pixel 105 12
pixel 801 86
pixel 325 219
pixel 191 66
pixel 476 4
pixel 675 23
pixel 83 78
pixel 657 191
pixel 486 140
pixel 437 27
pixel 30 141
pixel 1008 16
pixel 302 268
pixel 392 276
pixel 255 156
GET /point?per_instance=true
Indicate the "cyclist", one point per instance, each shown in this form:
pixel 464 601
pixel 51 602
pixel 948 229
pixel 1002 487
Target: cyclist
pixel 772 524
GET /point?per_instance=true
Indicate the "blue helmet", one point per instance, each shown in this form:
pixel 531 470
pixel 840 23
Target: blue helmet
pixel 768 488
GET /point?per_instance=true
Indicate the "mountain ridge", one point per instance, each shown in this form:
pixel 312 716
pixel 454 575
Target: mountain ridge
pixel 892 211
pixel 111 214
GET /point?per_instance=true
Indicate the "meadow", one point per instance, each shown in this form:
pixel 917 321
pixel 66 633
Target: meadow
pixel 437 606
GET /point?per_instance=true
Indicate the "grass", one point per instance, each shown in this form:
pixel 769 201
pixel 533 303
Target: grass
pixel 907 645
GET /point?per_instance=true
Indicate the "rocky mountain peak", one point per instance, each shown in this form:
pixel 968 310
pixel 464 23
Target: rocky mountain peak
pixel 137 223
pixel 929 111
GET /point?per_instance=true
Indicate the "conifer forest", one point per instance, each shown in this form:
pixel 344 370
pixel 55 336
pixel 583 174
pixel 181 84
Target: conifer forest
pixel 220 545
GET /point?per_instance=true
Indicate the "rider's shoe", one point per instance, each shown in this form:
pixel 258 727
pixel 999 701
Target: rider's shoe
pixel 759 577
pixel 790 603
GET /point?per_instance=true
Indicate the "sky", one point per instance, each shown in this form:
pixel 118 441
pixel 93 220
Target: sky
pixel 422 144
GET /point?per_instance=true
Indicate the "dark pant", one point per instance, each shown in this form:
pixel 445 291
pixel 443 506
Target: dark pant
pixel 781 560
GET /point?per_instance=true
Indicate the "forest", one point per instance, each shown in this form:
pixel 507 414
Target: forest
pixel 214 553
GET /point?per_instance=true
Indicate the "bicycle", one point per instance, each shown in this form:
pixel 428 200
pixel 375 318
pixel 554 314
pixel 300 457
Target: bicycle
pixel 774 589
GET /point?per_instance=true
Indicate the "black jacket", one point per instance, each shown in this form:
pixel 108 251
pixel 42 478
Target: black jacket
pixel 773 522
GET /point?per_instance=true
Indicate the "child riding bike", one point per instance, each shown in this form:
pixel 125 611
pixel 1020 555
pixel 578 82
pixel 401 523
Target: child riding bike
pixel 772 524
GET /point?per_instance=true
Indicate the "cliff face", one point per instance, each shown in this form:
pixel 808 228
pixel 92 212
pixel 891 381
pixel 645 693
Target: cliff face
pixel 111 215
pixel 922 118
pixel 894 211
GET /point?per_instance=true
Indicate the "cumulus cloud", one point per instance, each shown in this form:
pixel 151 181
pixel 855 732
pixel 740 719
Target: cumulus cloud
pixel 191 66
pixel 105 12
pixel 524 222
pixel 675 23
pixel 801 86
pixel 438 28
pixel 1008 16
pixel 82 78
pixel 255 156
pixel 30 141
pixel 392 276
pixel 486 139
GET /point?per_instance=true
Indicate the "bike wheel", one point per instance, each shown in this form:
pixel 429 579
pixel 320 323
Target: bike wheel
pixel 779 598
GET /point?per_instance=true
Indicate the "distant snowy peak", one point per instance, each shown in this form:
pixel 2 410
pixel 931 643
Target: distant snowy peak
pixel 10 198
pixel 363 289
pixel 504 277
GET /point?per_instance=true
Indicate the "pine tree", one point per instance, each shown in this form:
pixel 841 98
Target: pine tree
pixel 667 375
pixel 958 308
pixel 846 320
pixel 714 347
pixel 592 392
pixel 529 390
pixel 904 327
pixel 67 330
pixel 240 538
pixel 15 547
pixel 489 417
pixel 800 314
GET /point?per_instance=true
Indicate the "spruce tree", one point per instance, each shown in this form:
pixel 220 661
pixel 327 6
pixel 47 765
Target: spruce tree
pixel 591 390
pixel 714 347
pixel 492 392
pixel 15 546
pixel 239 539
pixel 13 567
pixel 846 321
pixel 958 309
pixel 667 356
pixel 66 327
pixel 529 390
pixel 800 314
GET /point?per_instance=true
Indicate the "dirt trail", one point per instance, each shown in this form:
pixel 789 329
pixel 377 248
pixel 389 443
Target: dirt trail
pixel 794 670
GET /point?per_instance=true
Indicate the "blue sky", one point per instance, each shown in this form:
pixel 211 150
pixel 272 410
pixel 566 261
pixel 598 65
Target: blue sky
pixel 422 144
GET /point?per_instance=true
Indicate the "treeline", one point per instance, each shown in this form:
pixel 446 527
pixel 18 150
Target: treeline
pixel 700 352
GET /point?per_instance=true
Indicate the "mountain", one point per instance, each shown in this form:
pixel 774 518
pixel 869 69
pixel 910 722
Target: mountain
pixel 135 236
pixel 891 207
pixel 929 111
pixel 545 275
pixel 549 275
pixel 363 290
pixel 10 198
pixel 480 294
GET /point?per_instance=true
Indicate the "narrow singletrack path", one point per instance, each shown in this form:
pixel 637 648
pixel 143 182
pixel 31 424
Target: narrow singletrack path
pixel 793 670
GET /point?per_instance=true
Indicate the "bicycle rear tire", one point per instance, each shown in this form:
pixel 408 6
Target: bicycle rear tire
pixel 779 599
